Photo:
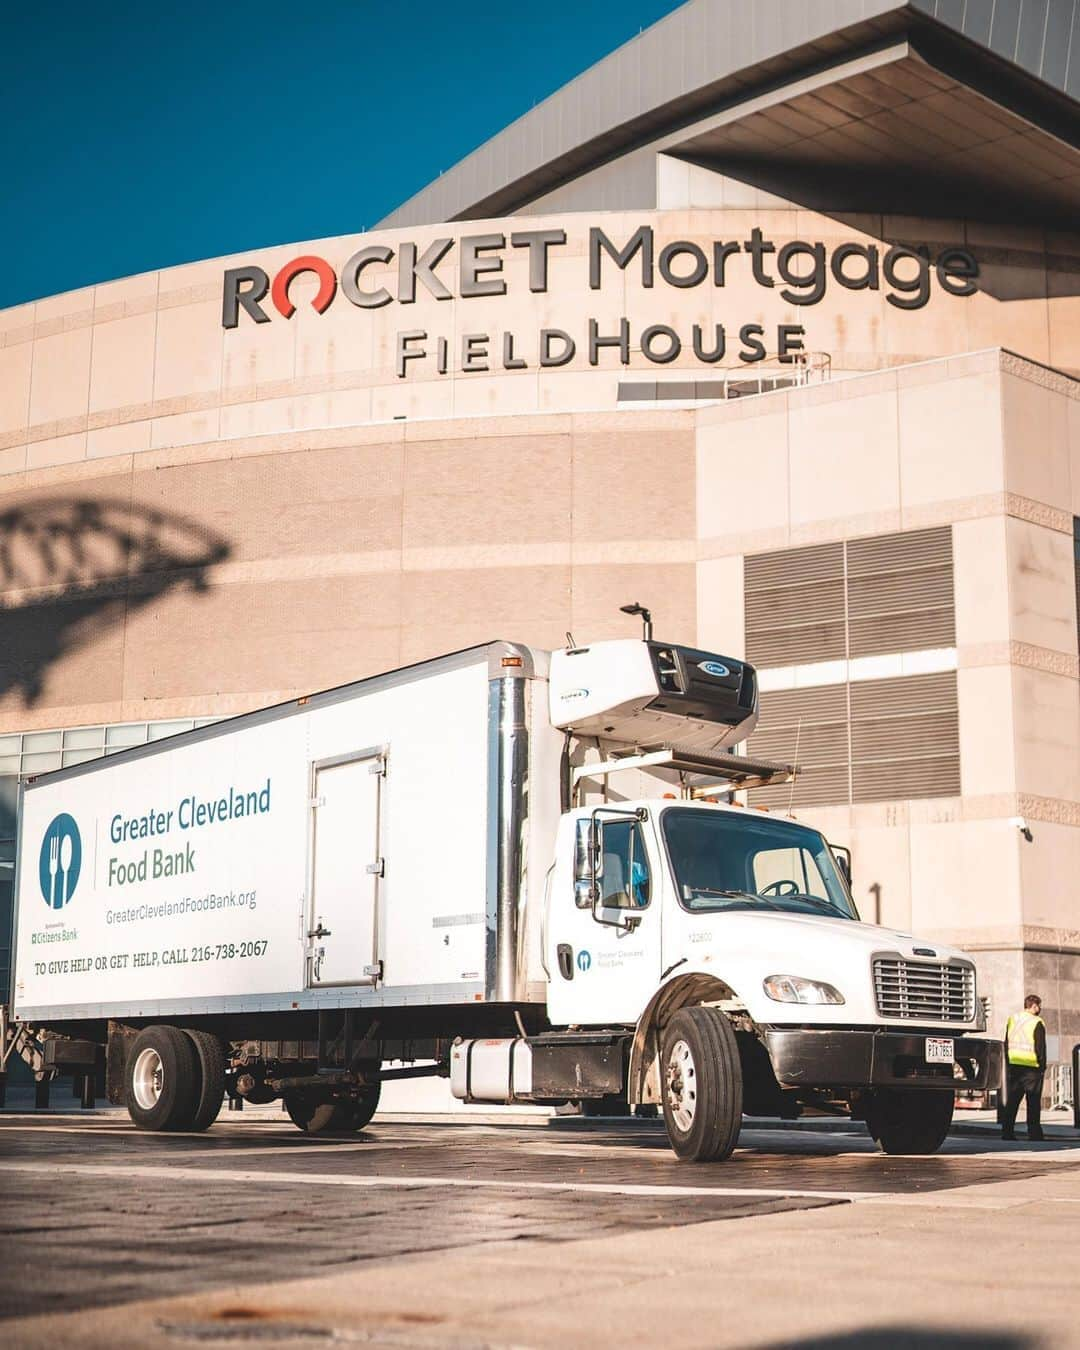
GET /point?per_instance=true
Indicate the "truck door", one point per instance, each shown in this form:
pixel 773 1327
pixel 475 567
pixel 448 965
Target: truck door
pixel 604 973
pixel 345 870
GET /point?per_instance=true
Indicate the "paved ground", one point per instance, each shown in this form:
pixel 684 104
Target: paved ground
pixel 537 1233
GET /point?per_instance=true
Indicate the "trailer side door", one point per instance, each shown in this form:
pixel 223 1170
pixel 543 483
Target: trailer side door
pixel 346 869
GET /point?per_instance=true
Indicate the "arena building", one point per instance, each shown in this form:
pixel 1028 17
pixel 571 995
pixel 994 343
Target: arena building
pixel 770 321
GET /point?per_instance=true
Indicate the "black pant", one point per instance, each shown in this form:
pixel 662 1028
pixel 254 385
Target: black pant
pixel 1024 1083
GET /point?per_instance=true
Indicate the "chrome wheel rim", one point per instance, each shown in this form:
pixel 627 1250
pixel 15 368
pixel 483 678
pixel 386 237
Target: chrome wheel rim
pixel 147 1079
pixel 681 1085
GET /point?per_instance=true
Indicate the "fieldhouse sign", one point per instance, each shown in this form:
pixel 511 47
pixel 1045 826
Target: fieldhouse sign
pixel 800 271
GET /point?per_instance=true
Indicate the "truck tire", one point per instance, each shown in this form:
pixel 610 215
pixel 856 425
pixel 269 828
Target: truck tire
pixel 364 1106
pixel 211 1060
pixel 321 1115
pixel 701 1082
pixel 907 1120
pixel 162 1080
pixel 314 1115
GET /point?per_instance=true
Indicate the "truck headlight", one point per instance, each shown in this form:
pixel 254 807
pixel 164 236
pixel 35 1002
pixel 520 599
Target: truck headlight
pixel 796 989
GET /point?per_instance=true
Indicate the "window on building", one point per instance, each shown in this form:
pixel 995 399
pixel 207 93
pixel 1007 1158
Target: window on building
pixel 23 754
pixel 30 752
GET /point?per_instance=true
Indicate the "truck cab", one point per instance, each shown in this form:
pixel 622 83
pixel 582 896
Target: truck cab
pixel 727 941
pixel 659 904
pixel 688 886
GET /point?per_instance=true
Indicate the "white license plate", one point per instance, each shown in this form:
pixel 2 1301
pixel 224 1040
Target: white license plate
pixel 939 1050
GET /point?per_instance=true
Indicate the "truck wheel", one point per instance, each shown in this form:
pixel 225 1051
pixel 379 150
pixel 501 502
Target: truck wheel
pixel 701 1080
pixel 314 1115
pixel 906 1120
pixel 363 1107
pixel 162 1080
pixel 211 1060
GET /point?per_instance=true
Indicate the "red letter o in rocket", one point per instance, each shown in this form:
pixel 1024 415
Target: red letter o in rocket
pixel 279 292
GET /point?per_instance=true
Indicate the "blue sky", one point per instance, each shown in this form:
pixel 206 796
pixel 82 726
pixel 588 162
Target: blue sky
pixel 138 136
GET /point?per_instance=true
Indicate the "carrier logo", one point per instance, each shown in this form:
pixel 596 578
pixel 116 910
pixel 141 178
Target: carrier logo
pixel 584 961
pixel 60 861
pixel 714 668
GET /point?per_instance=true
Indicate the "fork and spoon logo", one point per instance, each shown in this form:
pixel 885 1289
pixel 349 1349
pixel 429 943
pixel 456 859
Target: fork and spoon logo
pixel 61 861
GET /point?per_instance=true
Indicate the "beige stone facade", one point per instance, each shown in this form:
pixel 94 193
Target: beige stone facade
pixel 198 520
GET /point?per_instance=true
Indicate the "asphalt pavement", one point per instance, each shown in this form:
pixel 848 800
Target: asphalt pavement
pixel 530 1232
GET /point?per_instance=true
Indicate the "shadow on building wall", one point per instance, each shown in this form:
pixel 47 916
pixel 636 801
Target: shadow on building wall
pixel 890 194
pixel 72 568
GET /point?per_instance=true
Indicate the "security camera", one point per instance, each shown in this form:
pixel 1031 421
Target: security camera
pixel 1022 825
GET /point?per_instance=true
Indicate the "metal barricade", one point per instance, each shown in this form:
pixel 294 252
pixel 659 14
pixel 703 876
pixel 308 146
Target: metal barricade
pixel 1060 1086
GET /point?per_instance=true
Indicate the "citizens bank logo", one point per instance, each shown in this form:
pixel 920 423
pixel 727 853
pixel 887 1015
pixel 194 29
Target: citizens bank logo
pixel 714 668
pixel 60 862
pixel 584 961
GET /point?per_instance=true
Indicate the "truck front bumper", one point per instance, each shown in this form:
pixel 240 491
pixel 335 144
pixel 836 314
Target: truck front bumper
pixel 879 1058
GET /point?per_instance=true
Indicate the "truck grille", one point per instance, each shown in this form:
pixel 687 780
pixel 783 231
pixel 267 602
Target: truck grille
pixel 923 991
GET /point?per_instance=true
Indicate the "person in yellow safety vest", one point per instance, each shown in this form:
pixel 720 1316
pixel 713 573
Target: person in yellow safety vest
pixel 1025 1050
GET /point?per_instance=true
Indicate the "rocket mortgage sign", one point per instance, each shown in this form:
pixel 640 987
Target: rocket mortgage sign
pixel 799 272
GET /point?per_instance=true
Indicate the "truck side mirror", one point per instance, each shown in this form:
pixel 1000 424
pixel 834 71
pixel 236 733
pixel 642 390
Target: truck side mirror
pixel 588 862
pixel 589 868
pixel 843 861
pixel 589 850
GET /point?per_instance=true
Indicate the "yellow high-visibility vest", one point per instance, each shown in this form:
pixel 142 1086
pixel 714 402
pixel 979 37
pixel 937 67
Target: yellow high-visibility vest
pixel 1020 1033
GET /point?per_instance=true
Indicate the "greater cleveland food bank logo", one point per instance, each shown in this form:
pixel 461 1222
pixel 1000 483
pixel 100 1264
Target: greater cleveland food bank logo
pixel 60 861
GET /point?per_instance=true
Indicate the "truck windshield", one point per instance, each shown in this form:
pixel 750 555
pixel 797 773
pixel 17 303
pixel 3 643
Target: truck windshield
pixel 722 860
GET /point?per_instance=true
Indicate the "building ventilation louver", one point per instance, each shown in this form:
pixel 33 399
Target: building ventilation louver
pixel 870 740
pixel 831 602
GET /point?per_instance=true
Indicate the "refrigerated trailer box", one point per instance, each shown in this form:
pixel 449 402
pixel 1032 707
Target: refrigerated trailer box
pixel 340 849
pixel 531 872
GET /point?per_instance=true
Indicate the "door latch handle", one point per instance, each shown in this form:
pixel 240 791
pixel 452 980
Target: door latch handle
pixel 319 932
pixel 565 953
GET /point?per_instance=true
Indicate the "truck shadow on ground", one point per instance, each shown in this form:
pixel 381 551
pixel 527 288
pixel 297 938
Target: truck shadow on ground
pixel 72 568
pixel 910 1338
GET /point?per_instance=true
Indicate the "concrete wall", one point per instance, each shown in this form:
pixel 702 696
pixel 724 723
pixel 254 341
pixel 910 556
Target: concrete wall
pixel 144 364
pixel 991 446
pixel 224 576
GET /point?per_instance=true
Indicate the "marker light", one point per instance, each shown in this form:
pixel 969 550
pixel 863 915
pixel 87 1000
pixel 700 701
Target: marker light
pixel 796 989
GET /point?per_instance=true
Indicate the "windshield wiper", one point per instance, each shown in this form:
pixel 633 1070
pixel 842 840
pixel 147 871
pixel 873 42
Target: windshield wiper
pixel 729 895
pixel 815 900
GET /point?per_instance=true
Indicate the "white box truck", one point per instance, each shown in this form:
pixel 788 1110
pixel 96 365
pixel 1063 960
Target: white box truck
pixel 524 870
